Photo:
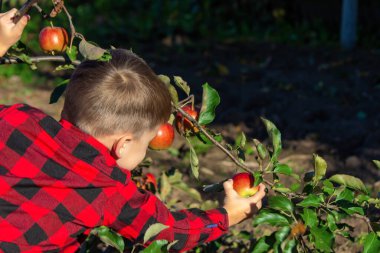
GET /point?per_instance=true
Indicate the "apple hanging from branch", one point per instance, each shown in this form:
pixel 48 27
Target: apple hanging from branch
pixel 164 138
pixel 183 125
pixel 53 39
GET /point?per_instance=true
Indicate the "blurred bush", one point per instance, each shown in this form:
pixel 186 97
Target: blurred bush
pixel 123 22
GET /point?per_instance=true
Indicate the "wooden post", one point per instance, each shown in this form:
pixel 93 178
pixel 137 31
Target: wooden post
pixel 348 26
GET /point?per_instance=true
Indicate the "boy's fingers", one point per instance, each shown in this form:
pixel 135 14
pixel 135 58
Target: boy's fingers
pixel 259 195
pixel 228 188
pixel 22 23
pixel 10 13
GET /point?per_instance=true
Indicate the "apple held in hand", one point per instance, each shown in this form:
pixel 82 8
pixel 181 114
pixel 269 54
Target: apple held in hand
pixel 183 125
pixel 53 39
pixel 243 184
pixel 164 137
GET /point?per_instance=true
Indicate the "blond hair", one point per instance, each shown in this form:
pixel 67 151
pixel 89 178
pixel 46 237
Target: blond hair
pixel 122 95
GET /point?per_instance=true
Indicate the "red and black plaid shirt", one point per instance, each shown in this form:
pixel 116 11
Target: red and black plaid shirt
pixel 57 182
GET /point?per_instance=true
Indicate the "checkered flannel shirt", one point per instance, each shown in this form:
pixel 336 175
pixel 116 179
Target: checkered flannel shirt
pixel 57 182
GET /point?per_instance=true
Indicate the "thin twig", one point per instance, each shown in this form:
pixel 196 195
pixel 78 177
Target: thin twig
pixel 212 139
pixel 36 59
pixel 72 27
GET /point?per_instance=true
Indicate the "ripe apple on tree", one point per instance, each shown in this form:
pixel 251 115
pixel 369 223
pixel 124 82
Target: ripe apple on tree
pixel 164 137
pixel 183 125
pixel 53 39
pixel 243 184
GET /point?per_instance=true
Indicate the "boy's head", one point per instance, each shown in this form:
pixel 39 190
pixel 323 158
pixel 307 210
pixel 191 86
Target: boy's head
pixel 122 99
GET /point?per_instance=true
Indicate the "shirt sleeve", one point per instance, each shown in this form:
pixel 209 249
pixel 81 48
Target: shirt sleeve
pixel 131 211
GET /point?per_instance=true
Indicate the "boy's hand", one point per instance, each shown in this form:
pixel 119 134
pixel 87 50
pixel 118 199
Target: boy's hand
pixel 10 32
pixel 239 208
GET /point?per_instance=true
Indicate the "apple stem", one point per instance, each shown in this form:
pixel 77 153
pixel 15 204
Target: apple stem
pixel 72 27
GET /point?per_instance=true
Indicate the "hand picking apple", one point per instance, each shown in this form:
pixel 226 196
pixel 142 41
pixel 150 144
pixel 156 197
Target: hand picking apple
pixel 10 32
pixel 240 208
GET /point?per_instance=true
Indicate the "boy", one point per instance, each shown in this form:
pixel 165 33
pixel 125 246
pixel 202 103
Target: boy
pixel 59 180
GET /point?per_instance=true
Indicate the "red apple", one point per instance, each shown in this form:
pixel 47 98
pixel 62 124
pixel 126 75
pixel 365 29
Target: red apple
pixel 164 137
pixel 243 184
pixel 53 39
pixel 183 125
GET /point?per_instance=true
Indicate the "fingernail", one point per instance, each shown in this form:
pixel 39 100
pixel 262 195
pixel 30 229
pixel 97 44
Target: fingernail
pixel 27 17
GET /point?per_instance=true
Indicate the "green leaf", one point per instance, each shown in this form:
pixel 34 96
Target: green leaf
pixel 323 239
pixel 282 233
pixel 320 167
pixel 377 163
pixel 156 247
pixel 280 188
pixel 331 222
pixel 182 84
pixel 280 236
pixel 165 79
pixel 275 137
pixel 172 90
pixel 165 186
pixel 258 176
pixel 280 203
pixel 210 100
pixel 346 194
pixel 90 51
pixel 371 243
pixel 173 94
pixel 153 230
pixel 311 201
pixel 294 187
pixel 283 169
pixel 241 140
pixel 349 207
pixel 261 246
pixel 194 162
pixel 64 67
pixel 349 181
pixel 290 246
pixel 58 91
pixel 261 150
pixel 110 237
pixel 72 53
pixel 272 218
pixel 328 187
pixel 310 218
pixel 203 138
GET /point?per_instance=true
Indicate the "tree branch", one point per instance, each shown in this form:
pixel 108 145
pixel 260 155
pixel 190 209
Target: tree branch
pixel 23 10
pixel 212 139
pixel 37 59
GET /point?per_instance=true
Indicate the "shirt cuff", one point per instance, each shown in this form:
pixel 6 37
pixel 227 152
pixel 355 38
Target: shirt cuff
pixel 218 218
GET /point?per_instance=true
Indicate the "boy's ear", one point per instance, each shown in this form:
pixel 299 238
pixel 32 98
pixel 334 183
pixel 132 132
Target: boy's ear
pixel 121 145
